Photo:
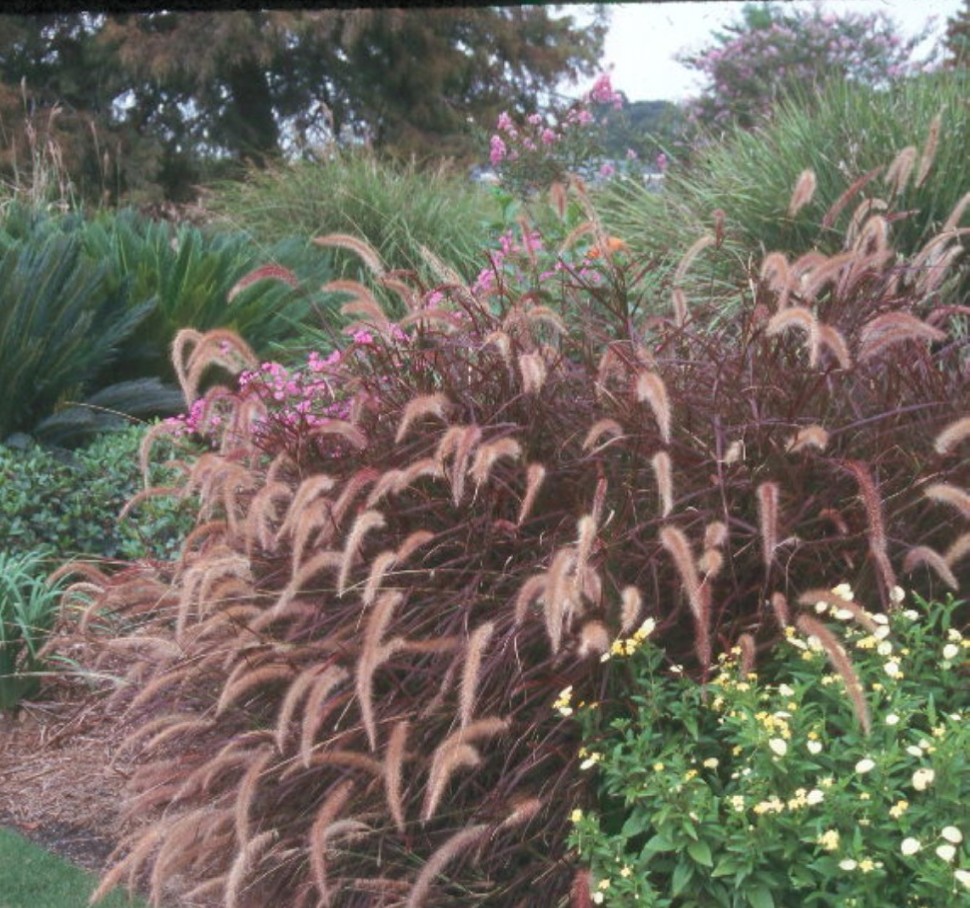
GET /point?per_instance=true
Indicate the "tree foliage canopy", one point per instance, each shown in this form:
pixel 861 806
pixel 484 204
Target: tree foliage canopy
pixel 772 50
pixel 165 90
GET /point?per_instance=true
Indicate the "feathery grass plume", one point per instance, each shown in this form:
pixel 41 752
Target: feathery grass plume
pixel 545 315
pixel 952 222
pixel 959 549
pixel 775 271
pixel 593 639
pixel 831 217
pixel 674 541
pixel 423 405
pixel 952 435
pixel 365 252
pixel 827 272
pixel 326 814
pixel 768 509
pixel 877 541
pixel 373 654
pixel 662 469
pixel 587 531
pixel 326 560
pixel 144 845
pixel 832 339
pixel 872 239
pixel 535 477
pixel 394 760
pixel 243 865
pixel 838 658
pixel 782 612
pixel 860 217
pixel 323 755
pixel 748 654
pixel 680 308
pixel 314 521
pixel 404 291
pixel 923 554
pixel 295 693
pixel 259 759
pixel 315 712
pixel 381 564
pixel 890 328
pixel 244 678
pixel 798 317
pixel 937 268
pixel 218 347
pixel 440 269
pixel 445 763
pixel 466 441
pixel 951 495
pixel 651 389
pixel 929 149
pixel 145 495
pixel 533 372
pixel 584 229
pixel 152 727
pixel 348 431
pixel 500 340
pixel 808 437
pixel 182 847
pixel 600 428
pixel 524 811
pixel 560 595
pixel 487 455
pixel 478 642
pixel 715 534
pixel 581 887
pixel 710 563
pixel 813 597
pixel 531 591
pixel 803 192
pixel 454 752
pixel 453 846
pixel 266 272
pixel 310 489
pixel 190 726
pixel 631 609
pixel 706 240
pixel 364 523
pixel 897 176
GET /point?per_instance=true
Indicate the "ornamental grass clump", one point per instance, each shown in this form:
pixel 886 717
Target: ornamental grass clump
pixel 409 550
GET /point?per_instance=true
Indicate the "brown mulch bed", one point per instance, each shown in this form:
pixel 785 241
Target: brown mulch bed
pixel 60 781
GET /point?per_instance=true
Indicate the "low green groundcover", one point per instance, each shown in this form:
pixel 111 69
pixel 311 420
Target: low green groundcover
pixel 31 877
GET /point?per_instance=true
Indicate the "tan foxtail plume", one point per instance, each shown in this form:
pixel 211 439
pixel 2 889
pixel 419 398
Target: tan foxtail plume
pixel 327 813
pixel 842 664
pixel 768 508
pixel 593 639
pixel 363 250
pixel 662 468
pixel 782 612
pixel 597 430
pixel 922 554
pixel 897 176
pixel 775 271
pixel 798 317
pixel 832 339
pixel 748 654
pixel 859 217
pixel 478 642
pixel 803 192
pixel 813 597
pixel 418 407
pixel 952 435
pixel 680 308
pixel 674 541
pixel 488 454
pixel 631 609
pixel 951 495
pixel 453 846
pixel 533 372
pixel 706 240
pixel 394 760
pixel 364 523
pixel 373 654
pixel 259 759
pixel 952 222
pixel 877 541
pixel 535 477
pixel 890 328
pixel 271 272
pixel 317 708
pixel 808 437
pixel 651 389
pixel 243 865
pixel 560 595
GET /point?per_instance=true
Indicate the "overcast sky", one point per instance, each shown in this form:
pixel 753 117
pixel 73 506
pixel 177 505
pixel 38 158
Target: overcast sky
pixel 645 36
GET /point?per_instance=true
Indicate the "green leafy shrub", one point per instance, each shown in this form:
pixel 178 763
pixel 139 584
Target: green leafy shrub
pixel 848 137
pixel 29 605
pixel 70 502
pixel 395 208
pixel 346 690
pixel 762 787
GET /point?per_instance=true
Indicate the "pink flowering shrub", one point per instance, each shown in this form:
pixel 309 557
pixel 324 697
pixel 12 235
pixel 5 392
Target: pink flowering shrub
pixel 546 148
pixel 774 49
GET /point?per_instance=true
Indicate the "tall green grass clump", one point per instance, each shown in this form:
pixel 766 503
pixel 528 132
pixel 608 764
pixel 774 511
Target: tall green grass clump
pixel 396 208
pixel 906 147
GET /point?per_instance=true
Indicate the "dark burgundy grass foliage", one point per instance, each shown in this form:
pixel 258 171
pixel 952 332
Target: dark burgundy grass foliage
pixel 343 695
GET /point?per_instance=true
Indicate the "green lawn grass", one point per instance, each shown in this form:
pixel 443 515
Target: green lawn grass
pixel 31 877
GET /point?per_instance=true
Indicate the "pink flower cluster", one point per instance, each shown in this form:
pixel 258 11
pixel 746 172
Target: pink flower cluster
pixel 603 93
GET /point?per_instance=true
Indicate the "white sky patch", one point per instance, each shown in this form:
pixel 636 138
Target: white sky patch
pixel 643 38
